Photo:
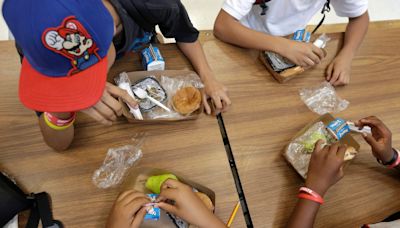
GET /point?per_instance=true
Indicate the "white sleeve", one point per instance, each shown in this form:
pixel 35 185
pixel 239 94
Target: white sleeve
pixel 238 8
pixel 350 8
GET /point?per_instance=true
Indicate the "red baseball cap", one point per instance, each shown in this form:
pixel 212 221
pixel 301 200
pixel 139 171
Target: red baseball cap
pixel 65 49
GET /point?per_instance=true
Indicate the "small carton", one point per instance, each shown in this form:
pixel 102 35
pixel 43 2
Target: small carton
pixel 152 59
pixel 300 161
pixel 136 180
pixel 140 75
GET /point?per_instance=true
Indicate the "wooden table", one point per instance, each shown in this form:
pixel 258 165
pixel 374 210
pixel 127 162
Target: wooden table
pixel 266 114
pixel 191 148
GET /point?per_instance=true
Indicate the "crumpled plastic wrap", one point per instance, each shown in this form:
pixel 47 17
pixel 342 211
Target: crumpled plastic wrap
pixel 117 162
pixel 296 153
pixel 171 85
pixel 323 99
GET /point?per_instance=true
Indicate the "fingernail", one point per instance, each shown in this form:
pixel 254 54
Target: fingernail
pixel 364 134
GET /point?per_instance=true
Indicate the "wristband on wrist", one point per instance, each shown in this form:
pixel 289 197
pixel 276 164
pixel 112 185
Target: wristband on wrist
pixel 60 122
pixel 392 160
pixel 60 125
pixel 309 197
pixel 307 193
pixel 397 161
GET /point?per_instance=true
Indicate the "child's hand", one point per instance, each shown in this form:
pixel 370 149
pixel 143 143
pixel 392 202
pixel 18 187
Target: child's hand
pixel 187 205
pixel 301 54
pixel 380 140
pixel 128 210
pixel 219 95
pixel 108 108
pixel 338 71
pixel 326 167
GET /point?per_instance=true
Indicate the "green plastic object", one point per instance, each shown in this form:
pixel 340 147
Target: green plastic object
pixel 309 144
pixel 154 183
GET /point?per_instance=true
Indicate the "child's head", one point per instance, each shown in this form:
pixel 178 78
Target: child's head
pixel 65 46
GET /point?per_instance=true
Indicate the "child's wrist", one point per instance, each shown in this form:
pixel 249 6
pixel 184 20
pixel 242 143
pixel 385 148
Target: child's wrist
pixel 321 190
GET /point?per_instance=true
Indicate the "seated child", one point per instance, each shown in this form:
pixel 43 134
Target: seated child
pixel 326 165
pixel 129 208
pixel 241 23
pixel 67 50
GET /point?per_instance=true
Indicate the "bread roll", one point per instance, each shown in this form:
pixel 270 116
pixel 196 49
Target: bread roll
pixel 206 200
pixel 187 100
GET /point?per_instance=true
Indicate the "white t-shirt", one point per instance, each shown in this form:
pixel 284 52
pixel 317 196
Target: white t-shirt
pixel 284 17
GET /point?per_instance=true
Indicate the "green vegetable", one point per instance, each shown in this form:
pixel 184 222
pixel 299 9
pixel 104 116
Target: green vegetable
pixel 309 144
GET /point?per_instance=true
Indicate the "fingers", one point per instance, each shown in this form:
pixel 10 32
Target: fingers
pixel 342 79
pixel 124 194
pixel 370 140
pixel 319 52
pixel 334 76
pixel 217 103
pixel 171 183
pixel 105 111
pixel 132 196
pixel 169 193
pixel 207 107
pixel 374 122
pixel 137 221
pixel 329 72
pixel 315 58
pixel 168 207
pixel 135 205
pixel 318 146
pixel 97 116
pixel 341 152
pixel 118 92
pixel 112 103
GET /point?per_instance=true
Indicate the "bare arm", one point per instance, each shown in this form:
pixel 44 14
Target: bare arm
pixel 228 29
pixel 218 92
pixel 355 33
pixel 58 140
pixel 339 70
pixel 324 170
pixel 304 214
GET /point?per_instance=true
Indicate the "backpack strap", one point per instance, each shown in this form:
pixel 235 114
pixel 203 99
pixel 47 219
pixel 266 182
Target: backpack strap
pixel 41 210
pixel 325 9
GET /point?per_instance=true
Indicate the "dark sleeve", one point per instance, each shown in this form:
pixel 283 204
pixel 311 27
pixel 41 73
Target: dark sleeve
pixel 19 50
pixel 173 20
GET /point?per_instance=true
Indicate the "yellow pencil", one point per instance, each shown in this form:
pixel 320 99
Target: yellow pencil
pixel 232 217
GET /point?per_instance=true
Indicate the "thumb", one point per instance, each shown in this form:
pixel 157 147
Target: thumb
pixel 329 72
pixel 138 218
pixel 168 207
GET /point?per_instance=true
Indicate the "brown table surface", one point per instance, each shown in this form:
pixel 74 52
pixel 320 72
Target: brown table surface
pixel 265 115
pixel 193 149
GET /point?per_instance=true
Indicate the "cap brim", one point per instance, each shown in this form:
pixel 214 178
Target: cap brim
pixel 62 94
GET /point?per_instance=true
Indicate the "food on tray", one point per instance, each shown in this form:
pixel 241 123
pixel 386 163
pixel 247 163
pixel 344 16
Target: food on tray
pixel 187 100
pixel 153 89
pixel 351 152
pixel 299 151
pixel 206 200
pixel 309 143
pixel 154 183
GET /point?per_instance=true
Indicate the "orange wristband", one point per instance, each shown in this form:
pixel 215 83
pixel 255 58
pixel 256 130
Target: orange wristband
pixel 310 197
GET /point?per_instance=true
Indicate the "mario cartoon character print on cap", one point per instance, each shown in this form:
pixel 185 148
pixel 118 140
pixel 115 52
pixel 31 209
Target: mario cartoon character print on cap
pixel 73 42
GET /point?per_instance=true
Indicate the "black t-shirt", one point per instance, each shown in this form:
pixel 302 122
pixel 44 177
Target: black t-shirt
pixel 139 18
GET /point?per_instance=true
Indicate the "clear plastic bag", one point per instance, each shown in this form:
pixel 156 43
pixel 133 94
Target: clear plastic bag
pixel 297 153
pixel 323 99
pixel 118 160
pixel 171 85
